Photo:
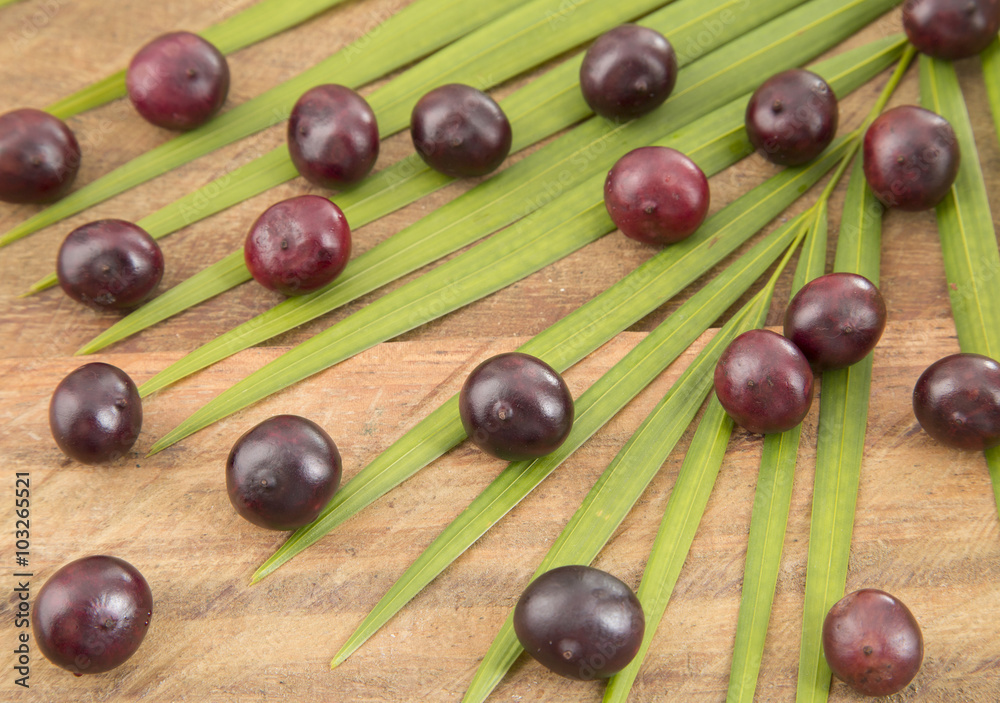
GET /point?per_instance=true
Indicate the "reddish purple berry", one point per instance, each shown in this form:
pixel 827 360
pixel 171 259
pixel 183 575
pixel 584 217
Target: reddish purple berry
pixel 580 622
pixel 109 265
pixel 957 401
pixel 39 157
pixel 333 137
pixel 872 642
pixel 764 382
pixel 514 406
pixel 836 320
pixel 92 614
pixel 629 71
pixel 282 472
pixel 178 81
pixel 911 158
pixel 656 195
pixel 951 29
pixel 298 245
pixel 460 131
pixel 95 413
pixel 792 117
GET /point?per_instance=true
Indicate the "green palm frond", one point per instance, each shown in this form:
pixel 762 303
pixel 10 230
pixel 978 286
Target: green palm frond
pixel 965 223
pixel 566 342
pixel 575 219
pixel 625 479
pixel 773 496
pixel 843 422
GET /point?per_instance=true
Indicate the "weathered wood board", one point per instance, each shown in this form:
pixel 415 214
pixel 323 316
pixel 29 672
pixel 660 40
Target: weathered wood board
pixel 926 526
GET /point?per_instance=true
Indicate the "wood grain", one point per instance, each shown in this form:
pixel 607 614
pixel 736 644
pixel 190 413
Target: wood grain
pixel 926 526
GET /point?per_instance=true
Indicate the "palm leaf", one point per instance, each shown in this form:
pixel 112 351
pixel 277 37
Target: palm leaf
pixel 594 409
pixel 687 504
pixel 691 493
pixel 536 111
pixel 773 496
pixel 256 23
pixel 991 77
pixel 843 419
pixel 561 345
pixel 621 484
pixel 479 271
pixel 965 223
pixel 393 44
pixel 772 501
pixel 488 267
pixel 485 208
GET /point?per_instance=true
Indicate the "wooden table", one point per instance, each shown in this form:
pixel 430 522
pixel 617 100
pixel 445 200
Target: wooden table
pixel 926 526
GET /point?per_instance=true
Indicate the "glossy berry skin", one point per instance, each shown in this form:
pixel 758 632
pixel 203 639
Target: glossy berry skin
pixel 514 406
pixel 178 81
pixel 333 136
pixel 792 117
pixel 95 413
pixel 911 158
pixel 460 131
pixel 957 401
pixel 656 195
pixel 836 320
pixel 39 157
pixel 628 72
pixel 282 472
pixel 580 622
pixel 764 382
pixel 298 245
pixel 92 614
pixel 872 642
pixel 951 29
pixel 109 265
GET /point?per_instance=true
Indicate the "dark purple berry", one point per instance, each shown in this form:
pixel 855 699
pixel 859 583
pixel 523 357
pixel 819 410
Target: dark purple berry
pixel 298 245
pixel 39 157
pixel 178 81
pixel 951 29
pixel 333 136
pixel 282 472
pixel 91 615
pixel 792 117
pixel 872 642
pixel 515 406
pixel 957 401
pixel 580 622
pixel 911 158
pixel 836 320
pixel 629 71
pixel 656 195
pixel 764 382
pixel 460 131
pixel 95 413
pixel 109 265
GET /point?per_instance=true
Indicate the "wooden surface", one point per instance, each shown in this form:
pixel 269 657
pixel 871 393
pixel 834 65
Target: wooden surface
pixel 926 526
